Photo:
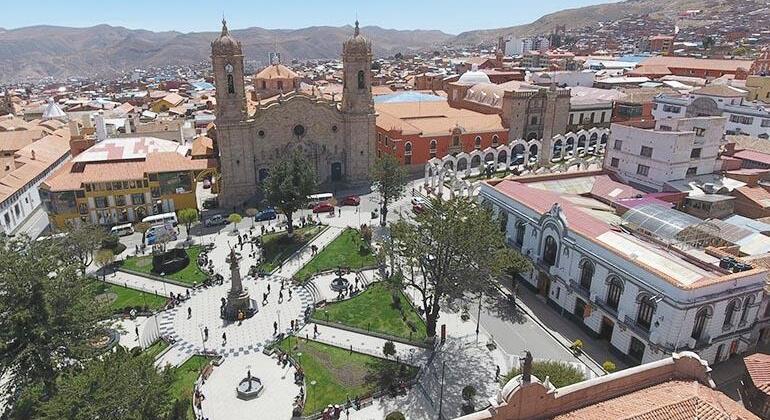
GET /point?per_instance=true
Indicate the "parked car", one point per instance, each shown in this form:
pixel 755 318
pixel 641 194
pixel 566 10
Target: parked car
pixel 211 203
pixel 417 201
pixel 215 220
pixel 418 208
pixel 323 208
pixel 351 200
pixel 266 214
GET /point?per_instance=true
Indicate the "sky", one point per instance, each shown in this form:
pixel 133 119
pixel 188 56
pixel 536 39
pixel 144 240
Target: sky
pixel 451 16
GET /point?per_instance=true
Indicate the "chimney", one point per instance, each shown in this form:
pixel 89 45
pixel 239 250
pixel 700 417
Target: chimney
pixel 127 125
pixel 100 126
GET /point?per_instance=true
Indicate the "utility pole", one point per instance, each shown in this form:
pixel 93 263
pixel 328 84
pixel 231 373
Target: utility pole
pixel 441 393
pixel 478 318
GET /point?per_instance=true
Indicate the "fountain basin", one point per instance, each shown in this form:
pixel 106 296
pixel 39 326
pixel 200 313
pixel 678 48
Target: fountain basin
pixel 249 388
pixel 339 284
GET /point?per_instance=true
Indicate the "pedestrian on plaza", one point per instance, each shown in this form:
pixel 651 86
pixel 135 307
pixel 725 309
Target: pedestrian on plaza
pixel 189 312
pixel 339 212
pixel 205 333
pixel 136 329
pixel 224 338
pixel 315 330
pixel 268 288
pixel 497 373
pixel 240 240
pixel 283 285
pixel 188 293
pixel 289 294
pixel 292 325
pixel 264 298
pixel 280 296
pixel 275 327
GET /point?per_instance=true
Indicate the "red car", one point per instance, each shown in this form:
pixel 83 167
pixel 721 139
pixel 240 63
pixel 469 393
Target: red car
pixel 351 200
pixel 323 208
pixel 418 208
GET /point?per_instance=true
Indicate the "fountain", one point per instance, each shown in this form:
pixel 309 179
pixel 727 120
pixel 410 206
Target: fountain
pixel 249 387
pixel 238 305
pixel 340 284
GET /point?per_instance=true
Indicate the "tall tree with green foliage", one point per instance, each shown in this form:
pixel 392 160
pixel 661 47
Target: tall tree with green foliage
pixel 187 217
pixel 81 242
pixel 48 312
pixel 117 386
pixel 291 180
pixel 452 250
pixel 389 178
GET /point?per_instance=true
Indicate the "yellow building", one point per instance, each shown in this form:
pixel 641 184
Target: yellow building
pixel 759 88
pixel 123 180
pixel 164 104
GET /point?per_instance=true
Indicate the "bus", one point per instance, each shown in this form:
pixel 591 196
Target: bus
pixel 161 218
pixel 122 230
pixel 316 199
pixel 159 233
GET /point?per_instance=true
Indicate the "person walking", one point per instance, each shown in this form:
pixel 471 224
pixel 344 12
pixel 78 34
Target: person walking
pixel 205 333
pixel 136 329
pixel 275 327
pixel 189 312
pixel 315 330
pixel 289 294
pixel 268 288
pixel 224 338
pixel 280 296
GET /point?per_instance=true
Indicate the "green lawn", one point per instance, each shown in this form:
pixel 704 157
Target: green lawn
pixel 344 251
pixel 156 349
pixel 125 298
pixel 188 275
pixel 373 310
pixel 184 380
pixel 338 374
pixel 277 247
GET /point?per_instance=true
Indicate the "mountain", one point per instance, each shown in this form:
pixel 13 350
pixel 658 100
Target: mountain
pixel 36 52
pixel 591 16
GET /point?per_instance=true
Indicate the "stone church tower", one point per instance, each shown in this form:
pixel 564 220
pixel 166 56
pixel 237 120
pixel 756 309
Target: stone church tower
pixel 6 105
pixel 227 59
pixel 357 74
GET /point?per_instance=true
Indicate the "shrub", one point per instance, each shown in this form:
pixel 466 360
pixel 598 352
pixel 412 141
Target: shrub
pixel 560 374
pixel 136 351
pixel 396 415
pixel 609 366
pixel 469 392
pixel 389 349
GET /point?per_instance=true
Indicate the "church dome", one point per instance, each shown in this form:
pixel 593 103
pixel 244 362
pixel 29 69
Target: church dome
pixel 53 111
pixel 357 43
pixel 226 44
pixel 473 78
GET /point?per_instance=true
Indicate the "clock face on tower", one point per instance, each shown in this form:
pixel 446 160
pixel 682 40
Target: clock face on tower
pixel 229 68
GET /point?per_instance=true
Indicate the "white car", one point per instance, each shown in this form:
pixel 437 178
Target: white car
pixel 418 200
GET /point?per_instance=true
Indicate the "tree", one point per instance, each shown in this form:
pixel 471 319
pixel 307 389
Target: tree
pixel 469 393
pixel 142 228
pixel 80 243
pixel 234 218
pixel 117 386
pixel 559 373
pixel 389 349
pixel 290 182
pixel 389 178
pixel 104 257
pixel 187 217
pixel 49 312
pixel 453 249
pixel 708 42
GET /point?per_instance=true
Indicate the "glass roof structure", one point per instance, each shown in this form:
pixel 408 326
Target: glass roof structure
pixel 659 221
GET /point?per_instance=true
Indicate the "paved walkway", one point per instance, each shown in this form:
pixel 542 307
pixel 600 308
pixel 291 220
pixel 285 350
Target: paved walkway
pixel 294 263
pixel 323 282
pixel 133 281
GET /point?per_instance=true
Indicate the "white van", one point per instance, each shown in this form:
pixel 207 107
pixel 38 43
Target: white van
pixel 122 230
pixel 161 218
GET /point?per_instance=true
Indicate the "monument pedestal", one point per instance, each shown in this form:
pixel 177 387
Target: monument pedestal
pixel 238 301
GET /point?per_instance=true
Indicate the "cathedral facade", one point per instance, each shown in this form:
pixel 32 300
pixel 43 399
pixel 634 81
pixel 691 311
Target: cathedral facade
pixel 337 138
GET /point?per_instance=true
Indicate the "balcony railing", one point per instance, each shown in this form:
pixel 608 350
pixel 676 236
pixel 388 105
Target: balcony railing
pixel 579 289
pixel 606 306
pixel 635 327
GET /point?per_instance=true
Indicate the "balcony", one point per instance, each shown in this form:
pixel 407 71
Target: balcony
pixel 579 289
pixel 700 343
pixel 641 331
pixel 601 303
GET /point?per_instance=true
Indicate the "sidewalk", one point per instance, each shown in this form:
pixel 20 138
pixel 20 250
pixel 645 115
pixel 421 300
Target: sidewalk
pixel 132 281
pixel 294 263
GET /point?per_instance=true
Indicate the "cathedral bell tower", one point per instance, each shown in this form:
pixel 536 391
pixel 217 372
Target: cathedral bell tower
pixel 357 74
pixel 227 60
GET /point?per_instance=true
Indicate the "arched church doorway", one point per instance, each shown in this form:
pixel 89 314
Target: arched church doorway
pixel 336 171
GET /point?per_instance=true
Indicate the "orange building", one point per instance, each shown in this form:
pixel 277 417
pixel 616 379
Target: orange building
pixel 416 132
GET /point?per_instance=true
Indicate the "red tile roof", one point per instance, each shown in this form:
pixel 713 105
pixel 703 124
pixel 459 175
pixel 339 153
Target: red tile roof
pixel 758 368
pixel 753 156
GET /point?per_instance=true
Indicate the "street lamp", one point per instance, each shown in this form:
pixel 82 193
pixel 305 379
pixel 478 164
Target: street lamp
pixel 478 318
pixel 441 392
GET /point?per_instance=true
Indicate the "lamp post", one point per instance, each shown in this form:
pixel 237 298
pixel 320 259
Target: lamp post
pixel 441 392
pixel 478 318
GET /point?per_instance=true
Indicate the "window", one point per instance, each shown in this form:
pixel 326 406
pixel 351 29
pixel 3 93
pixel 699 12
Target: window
pixel 586 274
pixel 746 304
pixel 664 128
pixel 732 307
pixel 646 152
pixel 740 119
pixel 765 123
pixel 408 153
pixel 455 140
pixel 671 108
pixel 642 170
pixel 700 132
pixel 120 200
pixel 571 119
pixel 692 171
pixel 601 120
pixel 520 234
pixel 646 310
pixel 230 84
pixel 433 148
pixel 361 79
pixel 593 114
pixel 695 154
pixel 264 85
pixel 495 140
pixel 478 142
pixel 549 253
pixel 700 323
pixel 618 144
pixel 581 119
pixel 137 198
pixel 280 85
pixel 615 162
pixel 613 293
pixel 533 121
pixel 100 202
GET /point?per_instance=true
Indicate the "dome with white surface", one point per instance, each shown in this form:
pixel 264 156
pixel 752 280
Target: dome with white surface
pixel 53 111
pixel 473 78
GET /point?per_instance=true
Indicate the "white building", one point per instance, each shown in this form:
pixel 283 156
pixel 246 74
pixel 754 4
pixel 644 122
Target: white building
pixel 521 46
pixel 676 149
pixel 639 282
pixel 743 117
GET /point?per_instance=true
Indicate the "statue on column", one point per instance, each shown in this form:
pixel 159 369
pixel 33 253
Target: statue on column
pixel 238 304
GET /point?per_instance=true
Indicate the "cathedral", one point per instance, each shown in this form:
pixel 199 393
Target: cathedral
pixel 337 138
